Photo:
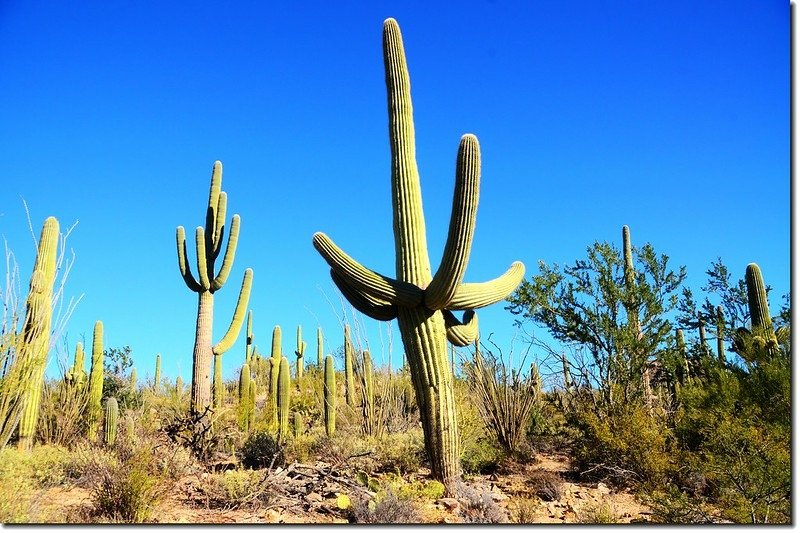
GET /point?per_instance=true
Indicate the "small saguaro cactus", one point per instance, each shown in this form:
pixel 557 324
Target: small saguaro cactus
pixel 111 418
pixel 368 394
pixel 244 397
pixel 95 408
pixel 35 345
pixel 208 247
pixel 251 405
pixel 329 397
pixel 423 302
pixel 320 356
pixel 274 371
pixel 349 382
pixel 701 330
pixel 297 420
pixel 720 334
pixel 683 371
pixel 566 372
pixel 179 386
pixel 76 375
pixel 248 345
pixel 284 391
pixel 157 377
pixel 133 380
pixel 299 353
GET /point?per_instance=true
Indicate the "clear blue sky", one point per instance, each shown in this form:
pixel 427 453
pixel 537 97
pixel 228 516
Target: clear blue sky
pixel 670 117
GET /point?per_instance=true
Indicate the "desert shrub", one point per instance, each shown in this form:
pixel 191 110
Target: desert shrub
pixel 420 489
pixel 481 456
pixel 126 492
pixel 23 478
pixel 674 506
pixel 522 510
pixel 478 507
pixel 261 450
pixel 386 508
pixel 238 489
pixel 625 445
pixel 402 453
pixel 597 513
pixel 547 485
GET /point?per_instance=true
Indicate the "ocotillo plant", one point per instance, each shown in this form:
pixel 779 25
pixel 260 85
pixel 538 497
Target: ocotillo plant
pixel 110 424
pixel 95 408
pixel 329 397
pixel 209 246
pixel 423 303
pixel 244 397
pixel 284 391
pixel 349 382
pixel 32 354
pixel 299 352
pixel 157 377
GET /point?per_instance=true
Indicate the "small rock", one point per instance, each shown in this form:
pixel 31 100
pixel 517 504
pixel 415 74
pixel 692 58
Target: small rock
pixel 313 497
pixel 603 488
pixel 451 504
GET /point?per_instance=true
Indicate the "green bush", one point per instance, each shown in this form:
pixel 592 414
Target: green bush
pixel 481 456
pixel 261 450
pixel 625 445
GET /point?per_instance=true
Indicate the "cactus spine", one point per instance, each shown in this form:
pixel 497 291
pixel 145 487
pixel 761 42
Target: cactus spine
pixel 300 352
pixel 329 397
pixel 349 385
pixel 284 390
pixel 111 418
pixel 157 377
pixel 95 382
pixel 208 247
pixel 35 345
pixel 423 303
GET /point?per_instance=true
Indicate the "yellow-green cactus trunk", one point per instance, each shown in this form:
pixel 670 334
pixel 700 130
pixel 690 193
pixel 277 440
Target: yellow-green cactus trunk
pixel 203 355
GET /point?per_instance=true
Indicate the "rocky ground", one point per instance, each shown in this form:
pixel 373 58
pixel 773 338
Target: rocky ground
pixel 312 493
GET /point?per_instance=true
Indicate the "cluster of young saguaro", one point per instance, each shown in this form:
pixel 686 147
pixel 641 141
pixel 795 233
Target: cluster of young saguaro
pixel 32 353
pixel 110 423
pixel 208 247
pixel 283 393
pixel 349 381
pixel 244 397
pixel 157 377
pixel 94 407
pixel 422 302
pixel 299 353
pixel 329 397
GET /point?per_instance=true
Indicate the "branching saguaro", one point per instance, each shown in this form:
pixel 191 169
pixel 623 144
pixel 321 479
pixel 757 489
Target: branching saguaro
pixel 208 247
pixel 423 303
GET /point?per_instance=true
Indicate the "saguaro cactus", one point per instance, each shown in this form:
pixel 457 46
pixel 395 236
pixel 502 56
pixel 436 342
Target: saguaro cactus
pixel 95 408
pixel 349 382
pixel 218 395
pixel 179 386
pixel 683 373
pixel 76 375
pixel 720 334
pixel 423 303
pixel 368 394
pixel 284 391
pixel 133 379
pixel 760 338
pixel 32 352
pixel 157 377
pixel 244 397
pixel 209 246
pixel 319 348
pixel 329 397
pixel 248 346
pixel 299 352
pixel 110 424
pixel 274 371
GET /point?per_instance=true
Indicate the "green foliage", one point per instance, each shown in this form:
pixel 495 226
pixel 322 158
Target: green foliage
pixel 261 450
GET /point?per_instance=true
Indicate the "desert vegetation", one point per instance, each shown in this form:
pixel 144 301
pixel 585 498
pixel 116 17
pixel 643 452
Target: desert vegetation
pixel 643 404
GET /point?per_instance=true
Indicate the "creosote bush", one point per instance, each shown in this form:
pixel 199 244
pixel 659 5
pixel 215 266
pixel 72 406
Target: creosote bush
pixel 261 450
pixel 386 508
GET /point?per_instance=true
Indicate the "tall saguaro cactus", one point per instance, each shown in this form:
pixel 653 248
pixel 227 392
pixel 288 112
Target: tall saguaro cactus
pixel 157 377
pixel 299 353
pixel 319 348
pixel 95 408
pixel 208 247
pixel 76 375
pixel 422 302
pixel 32 355
pixel 248 346
pixel 284 392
